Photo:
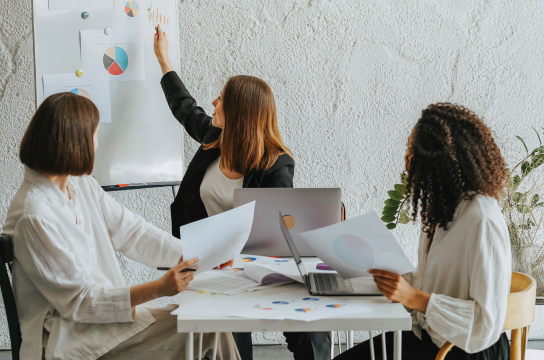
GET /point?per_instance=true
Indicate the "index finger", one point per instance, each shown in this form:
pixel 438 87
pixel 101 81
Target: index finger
pixel 161 33
pixel 384 273
pixel 185 264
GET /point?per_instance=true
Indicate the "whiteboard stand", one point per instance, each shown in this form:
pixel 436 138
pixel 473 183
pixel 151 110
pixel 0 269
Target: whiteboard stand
pixel 143 145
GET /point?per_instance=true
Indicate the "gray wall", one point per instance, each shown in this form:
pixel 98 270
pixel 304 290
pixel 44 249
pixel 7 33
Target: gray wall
pixel 350 79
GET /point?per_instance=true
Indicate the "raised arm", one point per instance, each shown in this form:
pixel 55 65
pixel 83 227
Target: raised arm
pixel 183 106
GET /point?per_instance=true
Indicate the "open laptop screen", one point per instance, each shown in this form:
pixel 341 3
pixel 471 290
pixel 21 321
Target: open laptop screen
pixel 292 247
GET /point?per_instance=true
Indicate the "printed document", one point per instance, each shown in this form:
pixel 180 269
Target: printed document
pixel 354 246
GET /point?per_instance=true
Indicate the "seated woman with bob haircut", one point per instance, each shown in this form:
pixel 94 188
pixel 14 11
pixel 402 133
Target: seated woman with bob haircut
pixel 460 289
pixel 71 297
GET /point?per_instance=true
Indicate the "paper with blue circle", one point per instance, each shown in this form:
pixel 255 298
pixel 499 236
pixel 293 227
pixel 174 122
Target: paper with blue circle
pixel 357 245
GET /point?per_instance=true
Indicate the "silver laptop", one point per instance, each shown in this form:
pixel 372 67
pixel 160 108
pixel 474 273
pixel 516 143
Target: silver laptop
pixel 328 283
pixel 312 209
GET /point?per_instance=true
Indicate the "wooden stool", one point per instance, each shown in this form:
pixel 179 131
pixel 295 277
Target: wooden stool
pixel 520 313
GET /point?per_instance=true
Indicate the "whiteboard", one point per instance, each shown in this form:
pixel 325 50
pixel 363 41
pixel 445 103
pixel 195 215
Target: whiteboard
pixel 143 143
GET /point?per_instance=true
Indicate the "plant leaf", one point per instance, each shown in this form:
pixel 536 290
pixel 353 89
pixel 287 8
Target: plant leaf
pixel 525 168
pixel 539 140
pixel 401 189
pixel 395 195
pixel 404 179
pixel 392 203
pixel 403 218
pixel 391 226
pixel 390 211
pixel 534 201
pixel 388 218
pixel 523 142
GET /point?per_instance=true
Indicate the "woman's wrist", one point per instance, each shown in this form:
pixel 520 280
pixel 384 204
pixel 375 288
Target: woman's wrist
pixel 166 65
pixel 418 301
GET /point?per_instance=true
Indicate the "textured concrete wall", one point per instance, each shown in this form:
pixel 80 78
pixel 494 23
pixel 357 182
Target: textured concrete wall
pixel 350 78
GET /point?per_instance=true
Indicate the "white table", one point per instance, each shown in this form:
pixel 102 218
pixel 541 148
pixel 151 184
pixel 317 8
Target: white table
pixel 385 316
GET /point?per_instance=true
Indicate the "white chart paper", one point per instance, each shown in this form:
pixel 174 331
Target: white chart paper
pixel 222 282
pixel 94 86
pixel 79 4
pixel 354 246
pixel 120 54
pixel 129 14
pixel 217 239
pixel 296 305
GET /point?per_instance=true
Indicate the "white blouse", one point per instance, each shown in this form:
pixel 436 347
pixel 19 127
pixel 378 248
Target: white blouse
pixel 468 272
pixel 217 190
pixel 66 277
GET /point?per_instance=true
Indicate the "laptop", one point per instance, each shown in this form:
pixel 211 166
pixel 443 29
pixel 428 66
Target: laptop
pixel 312 209
pixel 328 283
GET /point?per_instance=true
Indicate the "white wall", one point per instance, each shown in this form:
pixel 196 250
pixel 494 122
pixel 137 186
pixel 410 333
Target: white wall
pixel 350 79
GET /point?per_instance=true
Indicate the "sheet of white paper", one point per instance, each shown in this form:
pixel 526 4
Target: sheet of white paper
pixel 129 14
pixel 354 246
pixel 217 239
pixel 222 282
pixel 93 85
pixel 297 305
pixel 261 270
pixel 120 54
pixel 271 285
pixel 79 4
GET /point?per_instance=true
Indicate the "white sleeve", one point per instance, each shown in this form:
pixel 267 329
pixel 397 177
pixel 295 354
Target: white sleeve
pixel 476 324
pixel 136 238
pixel 52 266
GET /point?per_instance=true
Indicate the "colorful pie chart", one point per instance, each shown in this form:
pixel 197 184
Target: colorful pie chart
pixel 310 299
pixel 115 60
pixel 82 92
pixel 132 8
pixel 335 306
pixel 249 259
pixel 354 251
pixel 303 310
pixel 237 269
pixel 280 302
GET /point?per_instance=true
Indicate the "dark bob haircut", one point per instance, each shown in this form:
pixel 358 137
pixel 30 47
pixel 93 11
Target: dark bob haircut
pixel 59 138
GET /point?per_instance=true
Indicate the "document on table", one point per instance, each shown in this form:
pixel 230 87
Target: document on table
pixel 267 271
pixel 354 246
pixel 217 281
pixel 296 305
pixel 217 239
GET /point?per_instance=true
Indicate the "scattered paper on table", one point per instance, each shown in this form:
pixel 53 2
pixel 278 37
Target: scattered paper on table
pixel 217 239
pixel 263 271
pixel 354 246
pixel 297 305
pixel 120 54
pixel 95 86
pixel 79 4
pixel 221 282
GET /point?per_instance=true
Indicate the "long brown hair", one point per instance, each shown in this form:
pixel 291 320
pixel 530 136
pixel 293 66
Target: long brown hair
pixel 59 139
pixel 251 137
pixel 454 157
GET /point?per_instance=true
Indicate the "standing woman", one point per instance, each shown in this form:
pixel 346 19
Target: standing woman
pixel 241 147
pixel 459 291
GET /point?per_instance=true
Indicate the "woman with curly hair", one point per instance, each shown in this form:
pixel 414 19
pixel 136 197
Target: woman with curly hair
pixel 459 291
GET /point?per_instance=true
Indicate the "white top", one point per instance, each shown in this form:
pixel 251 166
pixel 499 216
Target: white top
pixel 468 272
pixel 217 190
pixel 66 277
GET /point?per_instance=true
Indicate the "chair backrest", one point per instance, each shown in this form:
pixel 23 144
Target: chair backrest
pixel 6 257
pixel 521 302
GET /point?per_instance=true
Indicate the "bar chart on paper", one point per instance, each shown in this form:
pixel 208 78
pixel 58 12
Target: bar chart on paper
pixel 157 15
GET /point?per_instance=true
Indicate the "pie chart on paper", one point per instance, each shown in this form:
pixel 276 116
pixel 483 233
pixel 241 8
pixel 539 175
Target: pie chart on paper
pixel 354 251
pixel 82 92
pixel 132 8
pixel 115 60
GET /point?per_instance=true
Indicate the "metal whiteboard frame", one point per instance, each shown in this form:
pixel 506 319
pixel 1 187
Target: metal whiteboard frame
pixel 143 146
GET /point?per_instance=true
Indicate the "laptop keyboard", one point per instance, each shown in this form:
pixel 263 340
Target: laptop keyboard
pixel 327 282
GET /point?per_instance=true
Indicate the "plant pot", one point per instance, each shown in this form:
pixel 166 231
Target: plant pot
pixel 522 259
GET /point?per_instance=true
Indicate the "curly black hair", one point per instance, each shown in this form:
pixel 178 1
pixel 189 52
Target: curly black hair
pixel 454 157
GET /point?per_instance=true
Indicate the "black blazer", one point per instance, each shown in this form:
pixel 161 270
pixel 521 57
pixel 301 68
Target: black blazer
pixel 188 206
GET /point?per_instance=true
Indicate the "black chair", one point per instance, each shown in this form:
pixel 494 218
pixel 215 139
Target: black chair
pixel 6 257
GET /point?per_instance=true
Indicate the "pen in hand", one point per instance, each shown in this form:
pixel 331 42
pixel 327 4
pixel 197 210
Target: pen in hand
pixel 168 268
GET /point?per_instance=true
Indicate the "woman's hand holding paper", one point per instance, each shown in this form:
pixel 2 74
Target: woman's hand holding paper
pixel 395 288
pixel 174 281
